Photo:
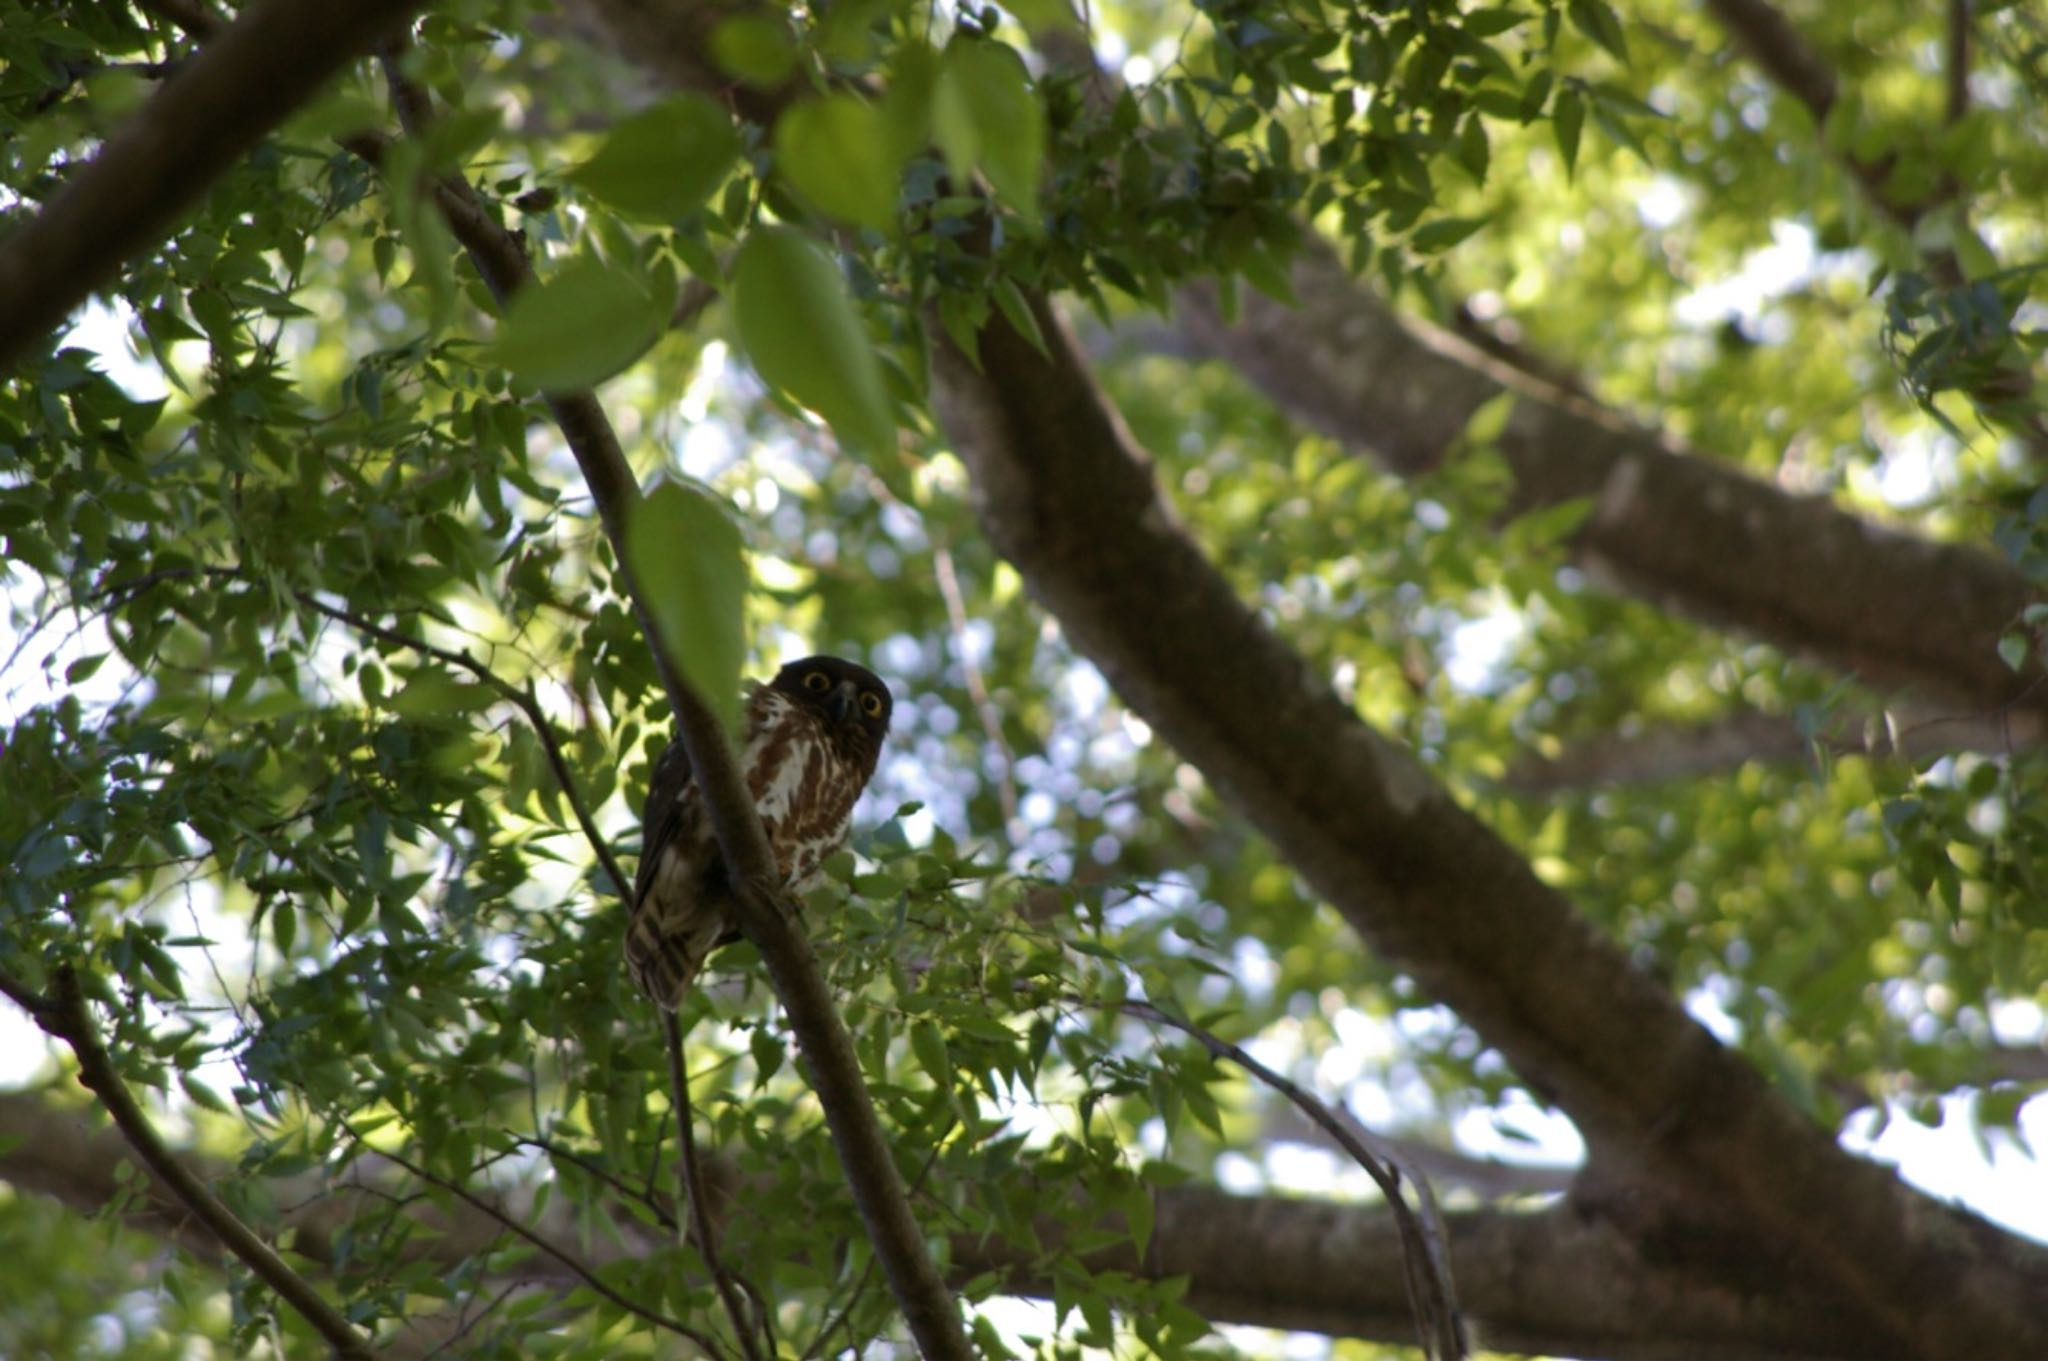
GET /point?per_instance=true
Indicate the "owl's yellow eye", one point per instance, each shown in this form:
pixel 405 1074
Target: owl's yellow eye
pixel 817 680
pixel 871 704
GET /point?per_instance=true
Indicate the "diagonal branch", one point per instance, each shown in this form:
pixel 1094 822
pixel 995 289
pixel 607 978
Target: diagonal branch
pixel 259 68
pixel 871 1171
pixel 1066 496
pixel 63 1015
pixel 1671 526
pixel 1684 752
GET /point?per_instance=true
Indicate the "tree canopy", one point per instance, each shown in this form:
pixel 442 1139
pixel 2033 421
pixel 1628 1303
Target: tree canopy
pixel 1444 568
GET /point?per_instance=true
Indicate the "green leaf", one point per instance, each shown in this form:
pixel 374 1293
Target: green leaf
pixel 662 163
pixel 838 153
pixel 284 925
pixel 1567 119
pixel 2012 650
pixel 435 694
pixel 1444 232
pixel 983 113
pixel 577 328
pixel 1596 20
pixel 929 1044
pixel 756 48
pixel 800 330
pixel 1017 312
pixel 202 1094
pixel 691 568
pixel 768 1051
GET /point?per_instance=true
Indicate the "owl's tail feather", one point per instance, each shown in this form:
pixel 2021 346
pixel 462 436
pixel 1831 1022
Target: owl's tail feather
pixel 663 963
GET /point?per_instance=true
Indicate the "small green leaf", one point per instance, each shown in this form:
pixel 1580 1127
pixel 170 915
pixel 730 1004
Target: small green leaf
pixel 755 48
pixel 2012 650
pixel 1017 312
pixel 201 1093
pixel 983 112
pixel 768 1051
pixel 83 668
pixel 1594 19
pixel 1474 150
pixel 1445 232
pixel 838 153
pixel 573 330
pixel 284 925
pixel 929 1044
pixel 663 162
pixel 435 694
pixel 691 568
pixel 804 337
pixel 1568 118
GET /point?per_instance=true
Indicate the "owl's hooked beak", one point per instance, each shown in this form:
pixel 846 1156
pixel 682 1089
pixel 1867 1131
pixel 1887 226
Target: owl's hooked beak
pixel 844 701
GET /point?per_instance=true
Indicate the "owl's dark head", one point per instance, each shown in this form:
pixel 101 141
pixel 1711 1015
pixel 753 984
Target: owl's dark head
pixel 851 697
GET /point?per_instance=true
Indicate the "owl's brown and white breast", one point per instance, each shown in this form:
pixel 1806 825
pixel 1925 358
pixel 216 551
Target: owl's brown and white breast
pixel 803 782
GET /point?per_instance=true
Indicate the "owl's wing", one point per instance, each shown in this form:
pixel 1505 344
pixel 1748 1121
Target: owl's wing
pixel 661 818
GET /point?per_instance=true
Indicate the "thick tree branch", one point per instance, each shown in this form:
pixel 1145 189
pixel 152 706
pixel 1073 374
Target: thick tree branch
pixel 1676 753
pixel 1552 1281
pixel 871 1171
pixel 1680 530
pixel 1068 499
pixel 63 1015
pixel 258 69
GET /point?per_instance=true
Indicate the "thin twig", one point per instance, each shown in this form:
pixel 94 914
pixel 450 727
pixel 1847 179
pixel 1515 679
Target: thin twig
pixel 977 688
pixel 65 1016
pixel 592 1169
pixel 575 1267
pixel 1439 1324
pixel 691 1176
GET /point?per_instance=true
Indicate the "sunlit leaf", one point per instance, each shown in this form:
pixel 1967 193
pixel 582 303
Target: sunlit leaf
pixel 663 162
pixel 837 152
pixel 576 328
pixel 690 564
pixel 804 337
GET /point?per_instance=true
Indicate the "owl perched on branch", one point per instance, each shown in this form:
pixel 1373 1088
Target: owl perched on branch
pixel 812 736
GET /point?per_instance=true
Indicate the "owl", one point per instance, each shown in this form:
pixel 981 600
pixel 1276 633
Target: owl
pixel 812 736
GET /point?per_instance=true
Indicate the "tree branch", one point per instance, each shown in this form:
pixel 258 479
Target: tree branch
pixel 799 983
pixel 1676 753
pixel 1554 1281
pixel 1067 498
pixel 1425 1261
pixel 266 63
pixel 589 1279
pixel 1678 529
pixel 694 1202
pixel 63 1015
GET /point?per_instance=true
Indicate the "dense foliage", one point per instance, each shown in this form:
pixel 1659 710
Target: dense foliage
pixel 320 662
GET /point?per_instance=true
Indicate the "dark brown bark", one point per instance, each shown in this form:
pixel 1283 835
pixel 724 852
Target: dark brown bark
pixel 1065 496
pixel 1677 529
